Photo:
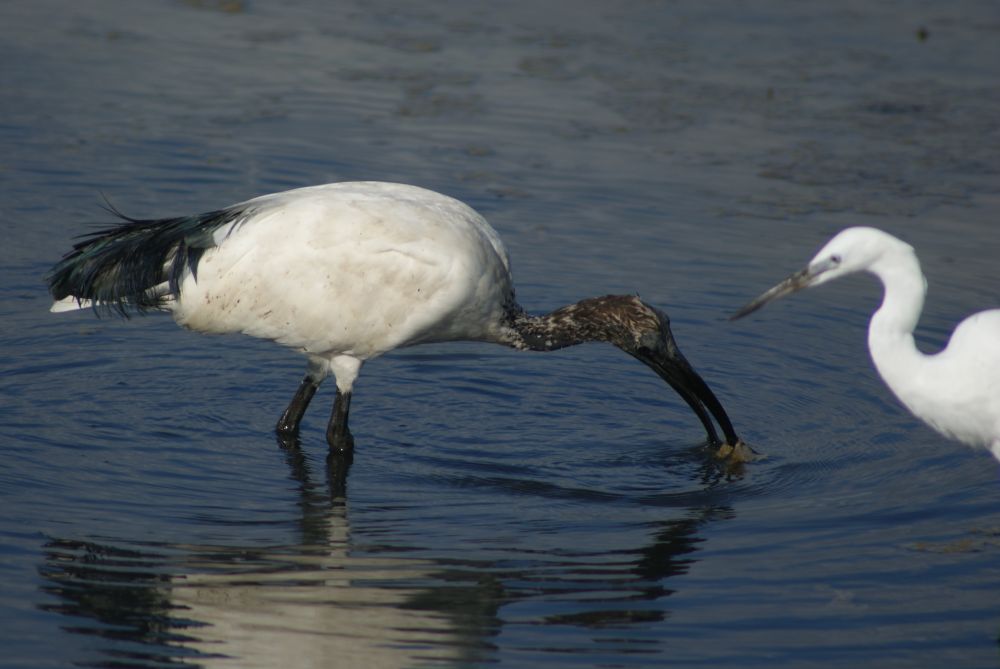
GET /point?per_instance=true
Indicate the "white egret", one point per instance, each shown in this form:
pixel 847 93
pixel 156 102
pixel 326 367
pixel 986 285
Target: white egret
pixel 955 391
pixel 345 272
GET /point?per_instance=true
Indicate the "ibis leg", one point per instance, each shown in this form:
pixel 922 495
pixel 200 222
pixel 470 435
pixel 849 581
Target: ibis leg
pixel 338 435
pixel 288 424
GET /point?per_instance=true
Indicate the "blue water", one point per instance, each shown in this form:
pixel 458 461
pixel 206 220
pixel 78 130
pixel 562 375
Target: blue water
pixel 503 509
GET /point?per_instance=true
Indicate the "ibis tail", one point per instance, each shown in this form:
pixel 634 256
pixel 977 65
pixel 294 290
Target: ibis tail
pixel 135 266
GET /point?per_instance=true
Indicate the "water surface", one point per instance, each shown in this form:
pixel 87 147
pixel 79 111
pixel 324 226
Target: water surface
pixel 503 509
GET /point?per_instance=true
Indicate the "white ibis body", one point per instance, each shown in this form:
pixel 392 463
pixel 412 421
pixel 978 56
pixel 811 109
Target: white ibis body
pixel 345 272
pixel 955 391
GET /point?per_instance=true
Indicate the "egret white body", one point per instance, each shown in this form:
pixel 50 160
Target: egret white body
pixel 955 391
pixel 346 272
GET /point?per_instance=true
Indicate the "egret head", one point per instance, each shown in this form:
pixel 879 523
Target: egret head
pixel 852 250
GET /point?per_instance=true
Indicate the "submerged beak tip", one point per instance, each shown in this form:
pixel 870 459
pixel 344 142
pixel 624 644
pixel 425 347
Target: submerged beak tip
pixel 692 388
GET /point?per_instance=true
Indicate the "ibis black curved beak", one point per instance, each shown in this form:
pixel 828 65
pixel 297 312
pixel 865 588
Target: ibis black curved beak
pixel 796 282
pixel 671 365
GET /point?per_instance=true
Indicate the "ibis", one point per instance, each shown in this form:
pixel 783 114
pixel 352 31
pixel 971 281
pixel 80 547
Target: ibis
pixel 957 390
pixel 346 272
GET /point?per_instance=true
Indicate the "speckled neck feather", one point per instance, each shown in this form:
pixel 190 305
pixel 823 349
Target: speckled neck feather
pixel 617 319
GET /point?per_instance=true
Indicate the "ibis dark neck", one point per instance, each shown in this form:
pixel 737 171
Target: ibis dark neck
pixel 638 329
pixel 593 319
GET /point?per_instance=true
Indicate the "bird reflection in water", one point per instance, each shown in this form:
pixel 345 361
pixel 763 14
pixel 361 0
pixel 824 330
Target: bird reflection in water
pixel 322 598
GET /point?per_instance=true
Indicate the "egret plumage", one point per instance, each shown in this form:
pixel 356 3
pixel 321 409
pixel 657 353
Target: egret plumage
pixel 957 390
pixel 346 272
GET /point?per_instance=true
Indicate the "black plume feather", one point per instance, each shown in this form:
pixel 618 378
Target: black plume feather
pixel 117 268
